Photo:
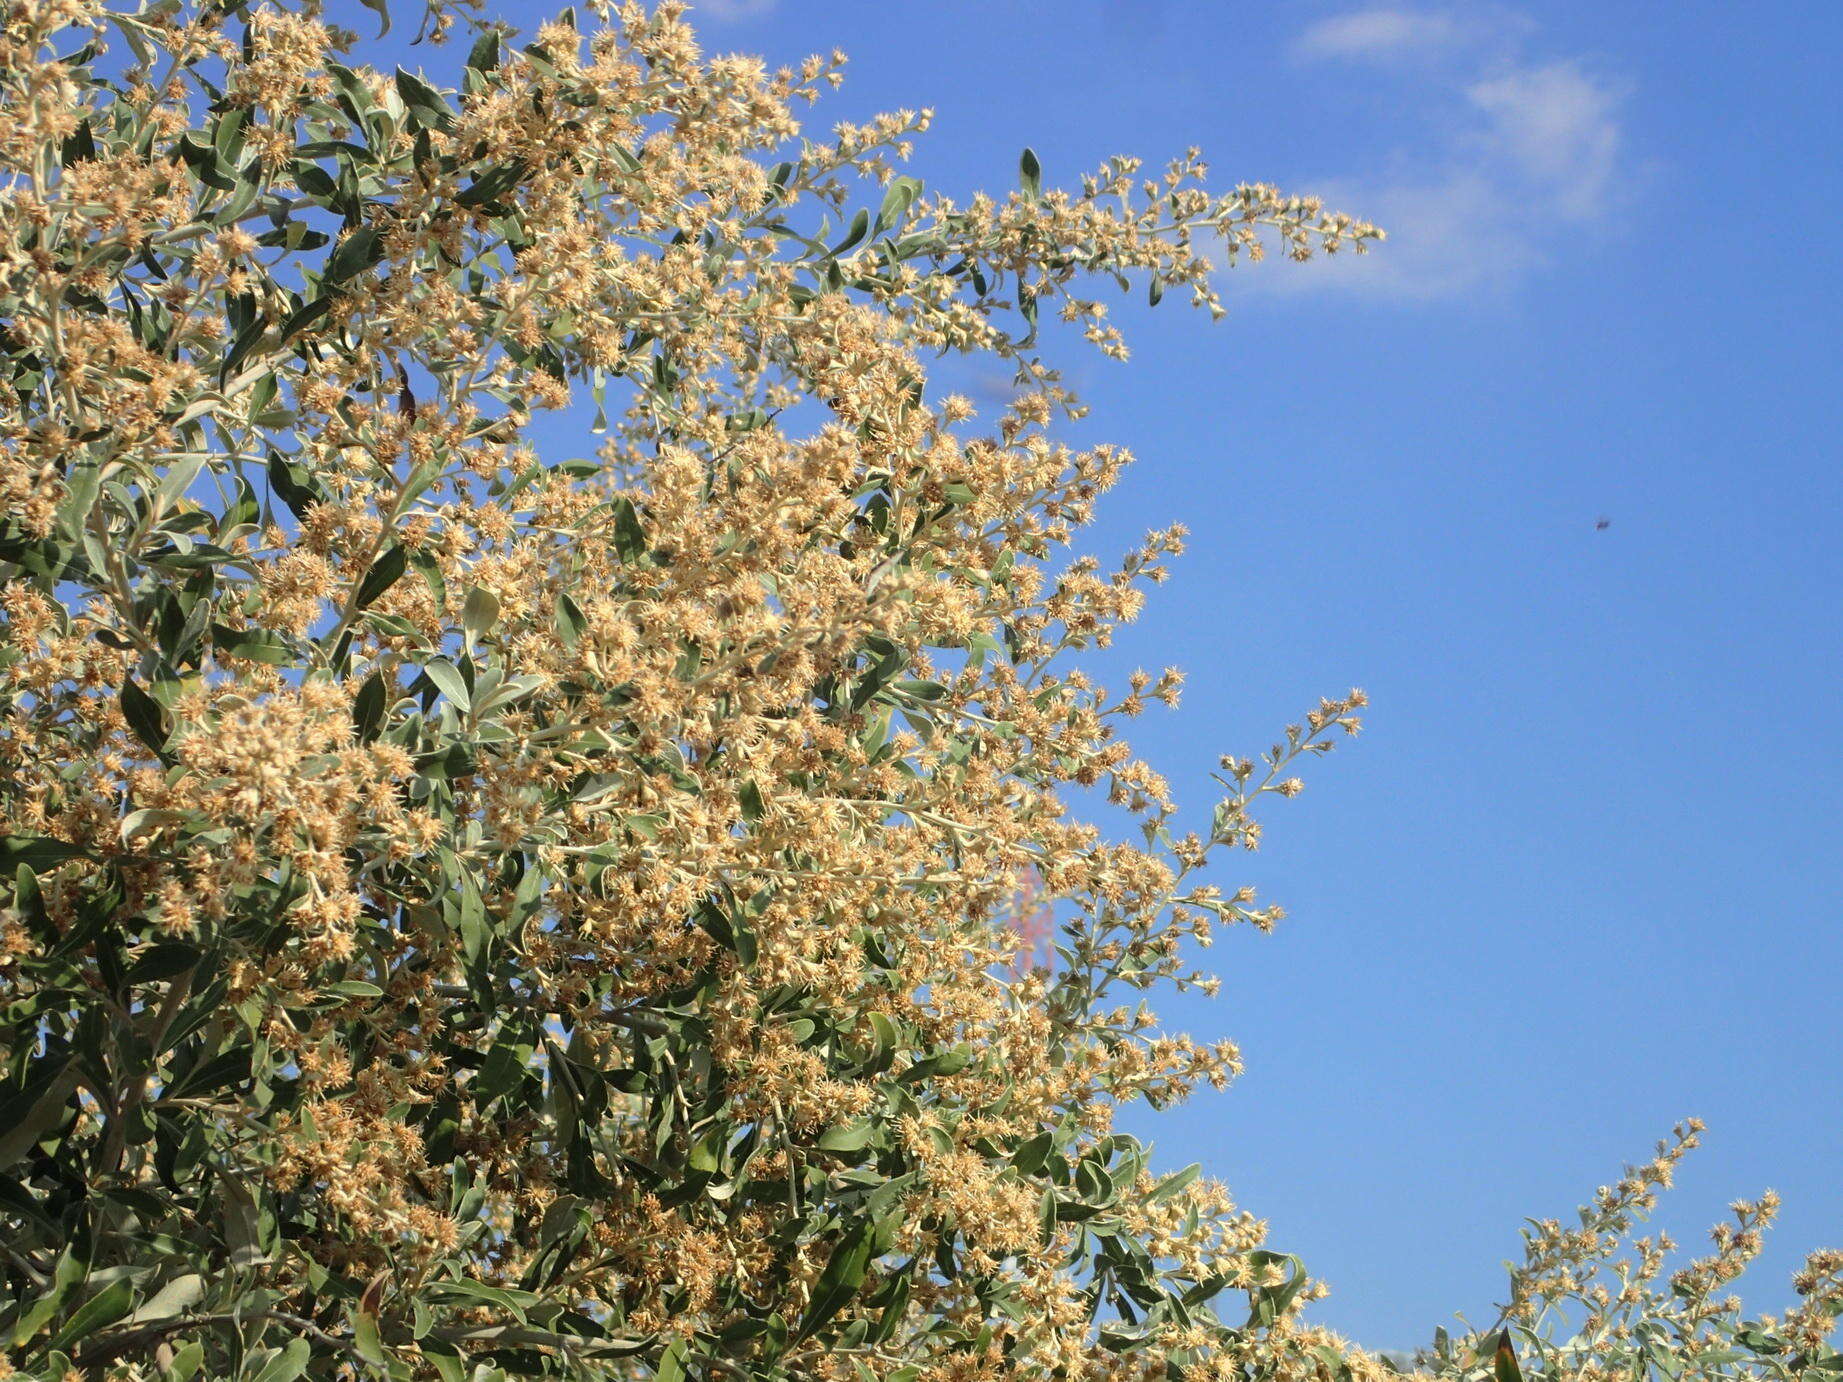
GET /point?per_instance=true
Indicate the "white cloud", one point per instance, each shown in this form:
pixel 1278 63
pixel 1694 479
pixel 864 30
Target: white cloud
pixel 733 9
pixel 1448 235
pixel 1394 35
pixel 1376 35
pixel 1525 146
pixel 1560 126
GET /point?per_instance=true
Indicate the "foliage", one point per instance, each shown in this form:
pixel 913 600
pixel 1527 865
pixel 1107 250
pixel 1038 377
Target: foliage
pixel 1593 1303
pixel 469 915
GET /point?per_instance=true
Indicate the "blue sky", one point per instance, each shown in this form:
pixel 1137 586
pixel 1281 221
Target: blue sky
pixel 1579 877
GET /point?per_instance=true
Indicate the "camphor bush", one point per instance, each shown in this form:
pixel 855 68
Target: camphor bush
pixel 474 915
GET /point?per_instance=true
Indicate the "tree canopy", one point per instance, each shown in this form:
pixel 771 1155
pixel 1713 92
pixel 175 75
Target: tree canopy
pixel 470 913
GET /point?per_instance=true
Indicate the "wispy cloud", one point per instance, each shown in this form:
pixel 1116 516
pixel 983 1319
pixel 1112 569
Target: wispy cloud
pixel 1398 35
pixel 1559 127
pixel 1526 144
pixel 732 9
pixel 1377 35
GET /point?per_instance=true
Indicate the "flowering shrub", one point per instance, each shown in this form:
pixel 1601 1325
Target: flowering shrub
pixel 1593 1303
pixel 474 915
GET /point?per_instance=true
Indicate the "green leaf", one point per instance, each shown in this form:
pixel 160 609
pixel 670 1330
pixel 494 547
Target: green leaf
pixel 174 1298
pixel 706 1154
pixel 860 227
pixel 1271 1302
pixel 227 136
pixel 629 533
pixel 570 621
pixel 242 1222
pixel 839 1282
pixel 514 1303
pixel 1029 1156
pixel 1030 175
pixel 71 1270
pixel 384 573
pixel 425 101
pixel 353 988
pixel 853 1137
pixel 203 160
pixel 356 253
pixel 730 932
pixel 1174 1183
pixel 305 316
pixel 33 1112
pixel 163 961
pixel 79 145
pixel 288 1362
pixel 896 203
pixel 144 716
pixel 1504 1365
pixel 885 1038
pixel 381 8
pixel 475 933
pixel 950 1062
pixel 365 1339
pixel 449 681
pixel 504 1067
pixel 479 613
pixel 484 55
pixel 36 852
pixel 671 1365
pixel 179 476
pixel 431 572
pixel 244 512
pixel 252 644
pixel 493 185
pixel 98 1312
pixel 27 899
pixel 295 484
pixel 82 483
pixel 368 708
